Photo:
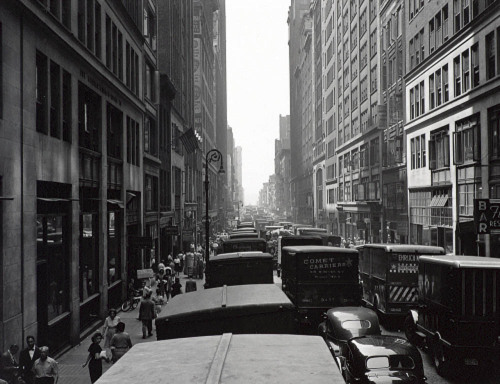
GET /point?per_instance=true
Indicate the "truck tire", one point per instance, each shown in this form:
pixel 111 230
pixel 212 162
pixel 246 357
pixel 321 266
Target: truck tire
pixel 411 331
pixel 440 358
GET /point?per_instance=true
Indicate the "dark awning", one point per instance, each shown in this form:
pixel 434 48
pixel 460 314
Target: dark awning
pixel 6 198
pixel 54 199
pixel 116 202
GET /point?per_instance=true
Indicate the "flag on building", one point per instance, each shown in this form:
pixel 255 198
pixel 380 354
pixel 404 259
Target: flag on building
pixel 189 140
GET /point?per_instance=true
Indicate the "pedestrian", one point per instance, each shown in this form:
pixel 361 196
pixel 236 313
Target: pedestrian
pixel 9 368
pixel 146 315
pixel 177 263
pixel 183 262
pixel 45 368
pixel 27 358
pixel 120 343
pixel 95 357
pixel 109 328
pixel 176 287
pixel 168 283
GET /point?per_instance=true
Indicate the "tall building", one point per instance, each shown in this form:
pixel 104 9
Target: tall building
pixel 329 50
pixel 210 110
pixel 282 168
pixel 320 217
pixel 359 126
pixel 301 104
pixel 180 175
pixel 452 121
pixel 394 175
pixel 78 162
pixel 238 174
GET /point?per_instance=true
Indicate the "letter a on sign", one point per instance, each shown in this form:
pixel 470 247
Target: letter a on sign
pixel 481 216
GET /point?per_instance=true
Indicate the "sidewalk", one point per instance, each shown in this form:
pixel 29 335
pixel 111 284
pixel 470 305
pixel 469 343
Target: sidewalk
pixel 70 364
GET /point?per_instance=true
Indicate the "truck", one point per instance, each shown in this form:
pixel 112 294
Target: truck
pixel 389 276
pixel 240 268
pixel 457 316
pixel 252 308
pixel 227 359
pixel 243 245
pixel 317 278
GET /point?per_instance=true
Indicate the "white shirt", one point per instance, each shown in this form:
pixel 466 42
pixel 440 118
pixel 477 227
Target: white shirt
pixel 32 352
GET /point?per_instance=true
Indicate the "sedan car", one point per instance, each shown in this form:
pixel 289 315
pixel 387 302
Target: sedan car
pixel 343 323
pixel 382 359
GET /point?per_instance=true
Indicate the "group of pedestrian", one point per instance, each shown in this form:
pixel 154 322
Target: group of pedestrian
pixel 34 367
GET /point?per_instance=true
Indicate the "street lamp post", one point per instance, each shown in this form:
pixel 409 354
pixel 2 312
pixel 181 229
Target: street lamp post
pixel 212 156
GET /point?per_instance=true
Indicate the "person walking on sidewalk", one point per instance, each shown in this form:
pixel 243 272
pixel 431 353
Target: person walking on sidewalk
pixel 94 359
pixel 45 368
pixel 27 358
pixel 120 343
pixel 147 314
pixel 176 287
pixel 109 327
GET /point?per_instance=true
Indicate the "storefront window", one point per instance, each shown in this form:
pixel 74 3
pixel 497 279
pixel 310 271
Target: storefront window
pixel 89 255
pixel 114 249
pixel 52 254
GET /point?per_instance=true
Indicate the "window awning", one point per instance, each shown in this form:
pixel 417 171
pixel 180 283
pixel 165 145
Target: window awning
pixel 54 199
pixel 116 202
pixel 6 198
pixel 439 201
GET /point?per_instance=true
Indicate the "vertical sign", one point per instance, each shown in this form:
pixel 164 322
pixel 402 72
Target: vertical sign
pixel 486 215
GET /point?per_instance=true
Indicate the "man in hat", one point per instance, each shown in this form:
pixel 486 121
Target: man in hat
pixel 45 368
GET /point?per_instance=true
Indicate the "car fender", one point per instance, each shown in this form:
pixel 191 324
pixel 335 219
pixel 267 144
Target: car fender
pixel 414 315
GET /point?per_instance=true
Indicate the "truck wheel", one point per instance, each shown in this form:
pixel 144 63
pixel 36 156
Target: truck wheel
pixel 411 331
pixel 440 359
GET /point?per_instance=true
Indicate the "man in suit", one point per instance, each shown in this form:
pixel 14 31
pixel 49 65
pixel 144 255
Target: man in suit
pixel 26 359
pixel 146 315
pixel 8 364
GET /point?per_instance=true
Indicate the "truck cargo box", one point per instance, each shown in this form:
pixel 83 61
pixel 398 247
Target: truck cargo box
pixel 254 308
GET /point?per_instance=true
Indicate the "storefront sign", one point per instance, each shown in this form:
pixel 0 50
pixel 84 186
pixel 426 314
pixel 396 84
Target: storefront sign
pixel 140 241
pixel 145 273
pixel 172 230
pixel 487 215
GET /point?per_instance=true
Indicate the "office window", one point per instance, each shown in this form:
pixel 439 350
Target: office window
pixel 418 153
pixel 422 45
pixel 432 37
pixel 438 30
pixel 467 140
pixel 97 34
pixel 89 118
pixel 466 11
pixel 445 22
pixel 422 98
pixel 465 71
pixel 445 84
pixel 373 43
pixel 457 8
pixel 475 64
pixel 41 93
pixel 439 150
pixel 417 101
pixel 66 107
pixel 151 193
pixel 55 100
pixel 490 56
pixel 114 131
pixel 439 88
pixel 412 103
pixel 494 132
pixel 457 75
pixel 374 152
pixel 133 155
pixel 432 99
pixel 1 72
pixel 108 42
pixel 373 79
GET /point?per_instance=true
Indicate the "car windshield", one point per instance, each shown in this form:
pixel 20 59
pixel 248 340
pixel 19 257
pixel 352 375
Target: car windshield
pixel 401 362
pixel 392 362
pixel 377 362
pixel 356 324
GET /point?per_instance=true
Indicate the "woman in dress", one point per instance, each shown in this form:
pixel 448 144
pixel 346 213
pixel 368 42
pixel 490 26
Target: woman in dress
pixel 120 343
pixel 94 359
pixel 109 328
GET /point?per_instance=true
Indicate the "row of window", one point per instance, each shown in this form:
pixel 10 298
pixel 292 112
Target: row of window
pixel 467 144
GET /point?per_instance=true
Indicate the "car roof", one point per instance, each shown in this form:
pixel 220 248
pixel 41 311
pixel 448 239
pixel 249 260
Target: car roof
pixel 319 249
pixel 457 261
pixel 241 255
pixel 227 359
pixel 377 345
pixel 213 299
pixel 407 248
pixel 246 240
pixel 340 314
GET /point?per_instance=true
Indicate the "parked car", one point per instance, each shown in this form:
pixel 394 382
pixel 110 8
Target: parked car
pixel 344 323
pixel 382 359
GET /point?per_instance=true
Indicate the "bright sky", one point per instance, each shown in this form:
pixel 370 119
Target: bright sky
pixel 257 83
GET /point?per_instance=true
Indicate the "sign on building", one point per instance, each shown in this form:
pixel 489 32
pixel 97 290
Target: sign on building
pixel 486 215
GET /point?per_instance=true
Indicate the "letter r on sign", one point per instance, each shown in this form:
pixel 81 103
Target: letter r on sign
pixel 483 228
